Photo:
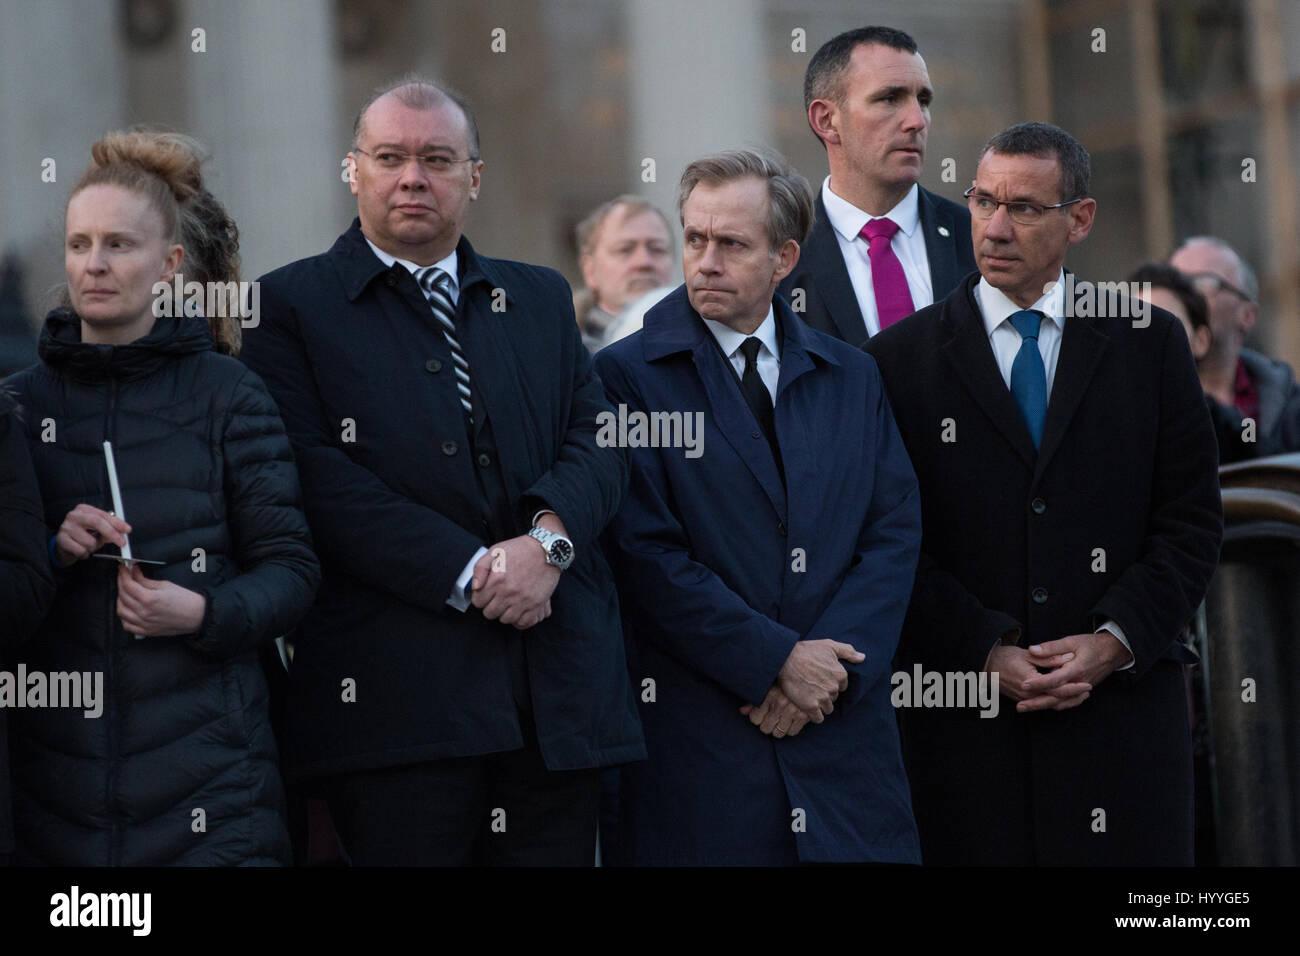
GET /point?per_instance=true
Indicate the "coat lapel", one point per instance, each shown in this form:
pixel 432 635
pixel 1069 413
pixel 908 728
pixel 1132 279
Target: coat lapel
pixel 671 327
pixel 736 421
pixel 971 357
pixel 940 247
pixel 831 279
pixel 1082 345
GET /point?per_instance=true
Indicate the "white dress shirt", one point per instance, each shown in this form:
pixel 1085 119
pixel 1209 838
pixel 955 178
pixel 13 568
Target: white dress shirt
pixel 459 597
pixel 768 360
pixel 447 265
pixel 996 310
pixel 908 244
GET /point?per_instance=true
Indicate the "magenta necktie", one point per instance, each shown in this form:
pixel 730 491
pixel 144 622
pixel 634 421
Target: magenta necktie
pixel 893 298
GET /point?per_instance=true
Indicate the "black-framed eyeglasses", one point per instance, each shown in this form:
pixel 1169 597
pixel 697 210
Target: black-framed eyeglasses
pixel 434 163
pixel 1208 283
pixel 983 206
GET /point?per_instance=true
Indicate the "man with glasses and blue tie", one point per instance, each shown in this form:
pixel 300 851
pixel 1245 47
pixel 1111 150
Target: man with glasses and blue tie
pixel 1260 388
pixel 461 678
pixel 1071 523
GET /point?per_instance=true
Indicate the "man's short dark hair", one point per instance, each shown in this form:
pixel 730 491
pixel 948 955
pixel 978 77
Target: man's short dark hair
pixel 824 78
pixel 420 93
pixel 1046 140
pixel 1161 275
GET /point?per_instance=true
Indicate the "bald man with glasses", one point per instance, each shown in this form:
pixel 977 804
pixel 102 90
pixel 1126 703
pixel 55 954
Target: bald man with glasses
pixel 1260 388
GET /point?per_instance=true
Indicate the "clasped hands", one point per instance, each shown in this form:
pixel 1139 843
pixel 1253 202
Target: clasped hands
pixel 1075 664
pixel 805 689
pixel 513 582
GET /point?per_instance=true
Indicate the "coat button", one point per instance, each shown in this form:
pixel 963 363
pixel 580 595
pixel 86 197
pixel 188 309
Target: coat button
pixel 484 460
pixel 781 529
pixel 433 365
pixel 755 434
pixel 1039 595
pixel 449 448
pixel 1038 505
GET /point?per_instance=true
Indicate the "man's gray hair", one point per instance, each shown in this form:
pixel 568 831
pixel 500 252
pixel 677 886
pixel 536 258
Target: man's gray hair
pixel 420 93
pixel 588 231
pixel 1247 279
pixel 789 197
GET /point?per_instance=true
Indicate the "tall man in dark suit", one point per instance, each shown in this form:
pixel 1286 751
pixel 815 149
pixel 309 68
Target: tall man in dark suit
pixel 881 247
pixel 764 565
pixel 1072 521
pixel 462 675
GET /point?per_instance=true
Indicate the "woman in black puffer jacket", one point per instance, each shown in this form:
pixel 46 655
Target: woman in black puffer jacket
pixel 180 767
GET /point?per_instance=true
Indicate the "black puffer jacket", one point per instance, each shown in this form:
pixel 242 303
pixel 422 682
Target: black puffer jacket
pixel 26 582
pixel 203 463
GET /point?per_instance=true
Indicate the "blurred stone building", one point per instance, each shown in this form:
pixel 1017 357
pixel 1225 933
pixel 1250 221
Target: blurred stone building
pixel 1188 106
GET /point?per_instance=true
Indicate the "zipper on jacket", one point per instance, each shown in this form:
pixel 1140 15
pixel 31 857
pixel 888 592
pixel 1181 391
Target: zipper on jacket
pixel 110 682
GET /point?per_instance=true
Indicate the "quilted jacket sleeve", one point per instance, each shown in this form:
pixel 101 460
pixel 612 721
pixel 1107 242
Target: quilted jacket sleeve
pixel 279 570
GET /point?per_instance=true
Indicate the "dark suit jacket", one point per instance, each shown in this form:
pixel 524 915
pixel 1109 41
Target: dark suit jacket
pixel 830 305
pixel 395 517
pixel 1015 538
pixel 716 596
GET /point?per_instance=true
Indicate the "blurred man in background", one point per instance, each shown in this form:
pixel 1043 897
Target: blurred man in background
pixel 625 249
pixel 1261 388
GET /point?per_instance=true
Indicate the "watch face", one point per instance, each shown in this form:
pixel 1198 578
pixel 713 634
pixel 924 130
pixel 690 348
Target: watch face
pixel 561 552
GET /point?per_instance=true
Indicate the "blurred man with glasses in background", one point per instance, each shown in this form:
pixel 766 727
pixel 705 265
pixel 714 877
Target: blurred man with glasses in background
pixel 1261 388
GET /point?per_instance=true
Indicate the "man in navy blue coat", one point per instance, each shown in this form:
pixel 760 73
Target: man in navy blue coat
pixel 764 552
pixel 462 675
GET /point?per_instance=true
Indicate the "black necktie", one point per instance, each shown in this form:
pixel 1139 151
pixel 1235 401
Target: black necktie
pixel 756 393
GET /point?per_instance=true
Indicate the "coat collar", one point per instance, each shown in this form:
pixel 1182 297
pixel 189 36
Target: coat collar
pixel 673 328
pixel 61 348
pixel 966 346
pixel 358 266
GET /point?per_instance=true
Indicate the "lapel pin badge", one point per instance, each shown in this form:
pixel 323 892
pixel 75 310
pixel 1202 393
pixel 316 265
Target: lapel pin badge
pixel 943 231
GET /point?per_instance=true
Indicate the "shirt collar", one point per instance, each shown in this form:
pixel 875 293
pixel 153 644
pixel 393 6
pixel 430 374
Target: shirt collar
pixel 447 265
pixel 848 220
pixel 997 308
pixel 731 340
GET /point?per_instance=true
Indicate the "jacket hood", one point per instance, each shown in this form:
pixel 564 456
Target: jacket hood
pixel 61 348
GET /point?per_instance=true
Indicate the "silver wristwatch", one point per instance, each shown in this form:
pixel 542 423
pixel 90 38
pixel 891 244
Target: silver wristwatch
pixel 559 549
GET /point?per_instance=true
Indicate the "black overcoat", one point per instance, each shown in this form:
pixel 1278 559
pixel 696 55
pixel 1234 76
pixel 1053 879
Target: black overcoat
pixel 1117 517
pixel 385 672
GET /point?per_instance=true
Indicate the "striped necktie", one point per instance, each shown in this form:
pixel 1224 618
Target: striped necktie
pixel 434 282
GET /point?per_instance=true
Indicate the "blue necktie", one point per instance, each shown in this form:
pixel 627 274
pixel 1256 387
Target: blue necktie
pixel 1028 376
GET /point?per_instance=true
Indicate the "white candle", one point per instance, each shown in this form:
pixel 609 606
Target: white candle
pixel 117 496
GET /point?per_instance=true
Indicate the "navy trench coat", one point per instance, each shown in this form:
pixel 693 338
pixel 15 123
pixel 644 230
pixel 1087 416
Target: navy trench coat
pixel 722 569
